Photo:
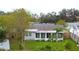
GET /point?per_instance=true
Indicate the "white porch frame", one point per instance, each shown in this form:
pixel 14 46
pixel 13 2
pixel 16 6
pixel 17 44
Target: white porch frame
pixel 33 37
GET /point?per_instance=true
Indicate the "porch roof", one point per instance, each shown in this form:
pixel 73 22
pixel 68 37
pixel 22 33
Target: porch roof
pixel 43 31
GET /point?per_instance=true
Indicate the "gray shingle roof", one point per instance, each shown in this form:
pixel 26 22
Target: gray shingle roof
pixel 44 26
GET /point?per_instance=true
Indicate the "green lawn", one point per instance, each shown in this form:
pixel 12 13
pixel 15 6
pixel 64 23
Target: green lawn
pixel 66 44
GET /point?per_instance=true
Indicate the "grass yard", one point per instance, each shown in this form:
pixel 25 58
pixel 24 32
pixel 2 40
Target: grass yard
pixel 65 45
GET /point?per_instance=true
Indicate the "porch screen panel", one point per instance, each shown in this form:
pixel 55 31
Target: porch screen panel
pixel 42 35
pixel 54 35
pixel 48 35
pixel 60 35
pixel 37 35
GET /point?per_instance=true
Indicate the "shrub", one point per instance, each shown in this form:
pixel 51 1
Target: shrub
pixel 37 40
pixel 2 34
pixel 69 45
pixel 46 48
pixel 42 48
pixel 48 40
pixel 43 40
pixel 2 50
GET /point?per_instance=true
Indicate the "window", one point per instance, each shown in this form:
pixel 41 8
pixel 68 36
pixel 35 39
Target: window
pixel 48 35
pixel 42 35
pixel 28 34
pixel 37 35
pixel 60 35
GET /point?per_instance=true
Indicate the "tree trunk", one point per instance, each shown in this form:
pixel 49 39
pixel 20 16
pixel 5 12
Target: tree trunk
pixel 21 41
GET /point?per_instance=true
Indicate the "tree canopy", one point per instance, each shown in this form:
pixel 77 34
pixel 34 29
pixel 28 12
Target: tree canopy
pixel 15 24
pixel 60 22
pixel 68 15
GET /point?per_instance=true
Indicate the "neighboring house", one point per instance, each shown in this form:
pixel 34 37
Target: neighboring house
pixel 74 31
pixel 43 31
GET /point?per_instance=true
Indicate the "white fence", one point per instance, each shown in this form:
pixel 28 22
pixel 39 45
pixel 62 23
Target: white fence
pixel 5 45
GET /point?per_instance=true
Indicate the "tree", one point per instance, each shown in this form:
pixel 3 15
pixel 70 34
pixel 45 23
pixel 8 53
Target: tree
pixel 60 22
pixel 48 18
pixel 69 15
pixel 20 22
pixel 15 23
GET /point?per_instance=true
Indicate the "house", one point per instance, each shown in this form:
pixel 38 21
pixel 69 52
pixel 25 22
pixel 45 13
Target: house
pixel 43 31
pixel 74 31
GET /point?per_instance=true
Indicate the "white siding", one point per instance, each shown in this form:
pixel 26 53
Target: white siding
pixel 33 36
